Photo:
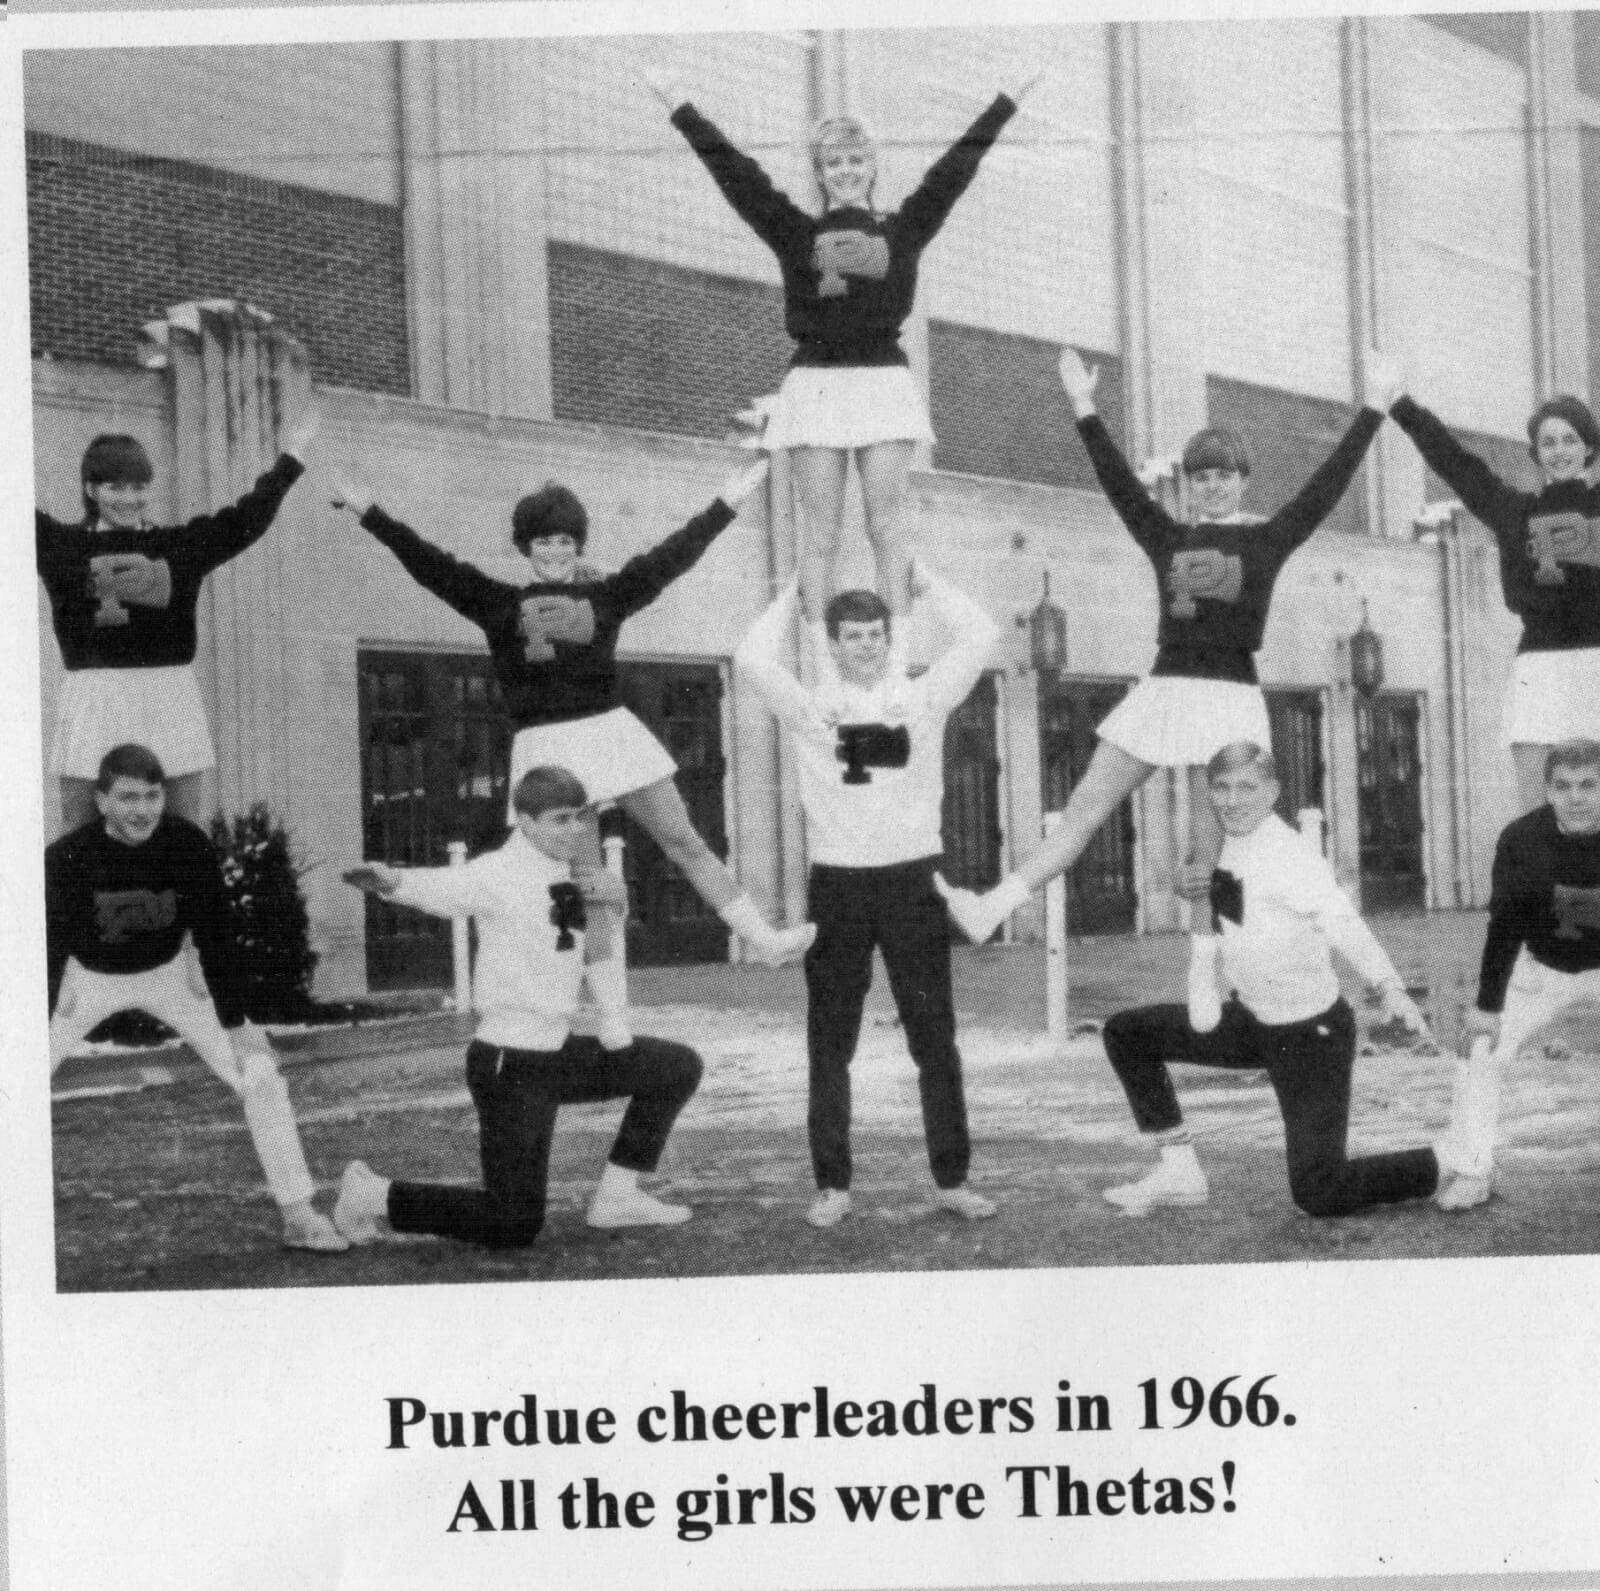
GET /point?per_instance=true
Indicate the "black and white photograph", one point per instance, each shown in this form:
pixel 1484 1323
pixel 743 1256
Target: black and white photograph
pixel 875 733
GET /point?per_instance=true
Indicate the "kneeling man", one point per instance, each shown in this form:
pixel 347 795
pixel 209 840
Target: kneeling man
pixel 1279 911
pixel 525 1062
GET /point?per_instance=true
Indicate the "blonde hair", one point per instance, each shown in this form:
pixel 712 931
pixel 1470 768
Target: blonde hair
pixel 1242 754
pixel 848 131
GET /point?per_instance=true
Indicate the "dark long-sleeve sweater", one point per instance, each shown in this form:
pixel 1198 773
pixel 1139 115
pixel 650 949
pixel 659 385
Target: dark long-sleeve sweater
pixel 1216 578
pixel 1549 541
pixel 1545 895
pixel 849 276
pixel 121 908
pixel 126 598
pixel 553 646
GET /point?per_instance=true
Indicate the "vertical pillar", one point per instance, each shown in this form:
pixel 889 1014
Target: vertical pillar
pixel 238 380
pixel 1555 206
pixel 476 200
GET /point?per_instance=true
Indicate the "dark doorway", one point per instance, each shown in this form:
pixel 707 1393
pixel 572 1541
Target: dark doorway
pixel 1389 770
pixel 1296 718
pixel 971 817
pixel 681 704
pixel 1102 897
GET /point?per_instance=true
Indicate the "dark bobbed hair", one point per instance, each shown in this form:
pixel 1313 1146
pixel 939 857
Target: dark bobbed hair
pixel 1574 754
pixel 541 790
pixel 129 761
pixel 1576 413
pixel 855 607
pixel 1242 754
pixel 553 510
pixel 1217 447
pixel 115 458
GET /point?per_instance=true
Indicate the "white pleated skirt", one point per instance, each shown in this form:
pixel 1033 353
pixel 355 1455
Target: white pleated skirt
pixel 1176 722
pixel 1552 697
pixel 611 754
pixel 159 708
pixel 847 406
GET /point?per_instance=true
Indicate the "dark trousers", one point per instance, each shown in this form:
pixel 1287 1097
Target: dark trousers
pixel 518 1093
pixel 1309 1065
pixel 897 910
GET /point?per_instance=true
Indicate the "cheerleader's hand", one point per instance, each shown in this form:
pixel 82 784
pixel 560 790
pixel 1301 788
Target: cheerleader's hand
pixel 664 89
pixel 742 483
pixel 304 433
pixel 1026 87
pixel 1398 1006
pixel 352 495
pixel 1386 379
pixel 373 878
pixel 1080 380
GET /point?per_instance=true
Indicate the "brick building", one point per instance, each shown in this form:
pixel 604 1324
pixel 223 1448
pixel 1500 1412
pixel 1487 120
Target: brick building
pixel 505 265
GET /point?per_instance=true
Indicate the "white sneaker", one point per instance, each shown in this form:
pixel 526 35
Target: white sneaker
pixel 361 1194
pixel 777 947
pixel 618 1207
pixel 304 1228
pixel 829 1208
pixel 965 1202
pixel 1167 1184
pixel 1463 1193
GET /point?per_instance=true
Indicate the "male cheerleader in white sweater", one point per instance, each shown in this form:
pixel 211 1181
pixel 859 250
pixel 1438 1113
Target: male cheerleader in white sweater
pixel 872 786
pixel 525 1062
pixel 1280 912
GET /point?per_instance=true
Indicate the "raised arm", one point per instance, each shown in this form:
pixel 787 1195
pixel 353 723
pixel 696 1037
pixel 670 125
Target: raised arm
pixel 212 539
pixel 211 928
pixel 759 659
pixel 927 209
pixel 1483 493
pixel 472 593
pixel 66 909
pixel 1318 498
pixel 957 669
pixel 769 212
pixel 1148 522
pixel 643 578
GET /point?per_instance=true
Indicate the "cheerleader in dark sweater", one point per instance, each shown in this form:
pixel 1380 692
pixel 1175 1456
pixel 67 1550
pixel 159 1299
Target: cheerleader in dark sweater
pixel 1541 955
pixel 1549 544
pixel 122 595
pixel 1215 579
pixel 553 645
pixel 849 279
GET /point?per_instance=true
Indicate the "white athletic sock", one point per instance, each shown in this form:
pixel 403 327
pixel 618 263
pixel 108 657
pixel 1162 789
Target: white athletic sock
pixel 270 1118
pixel 615 1179
pixel 1180 1156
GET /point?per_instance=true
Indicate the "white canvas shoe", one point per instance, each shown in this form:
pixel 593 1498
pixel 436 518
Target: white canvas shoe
pixel 965 1202
pixel 304 1227
pixel 1463 1193
pixel 829 1208
pixel 615 1207
pixel 363 1197
pixel 1171 1183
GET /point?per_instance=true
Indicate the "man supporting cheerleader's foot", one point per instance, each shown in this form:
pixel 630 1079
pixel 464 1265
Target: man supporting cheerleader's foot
pixel 1280 912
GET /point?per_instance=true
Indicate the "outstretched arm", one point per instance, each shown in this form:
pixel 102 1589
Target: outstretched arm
pixel 759 659
pixel 472 593
pixel 1483 493
pixel 1318 498
pixel 642 579
pixel 951 174
pixel 1509 913
pixel 1148 522
pixel 770 213
pixel 439 891
pixel 957 669
pixel 211 927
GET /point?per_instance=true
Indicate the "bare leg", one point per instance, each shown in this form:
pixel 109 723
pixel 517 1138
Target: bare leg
pixel 1205 845
pixel 605 967
pixel 659 809
pixel 185 794
pixel 1205 833
pixel 1529 760
pixel 1112 776
pixel 77 803
pixel 885 468
pixel 820 474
